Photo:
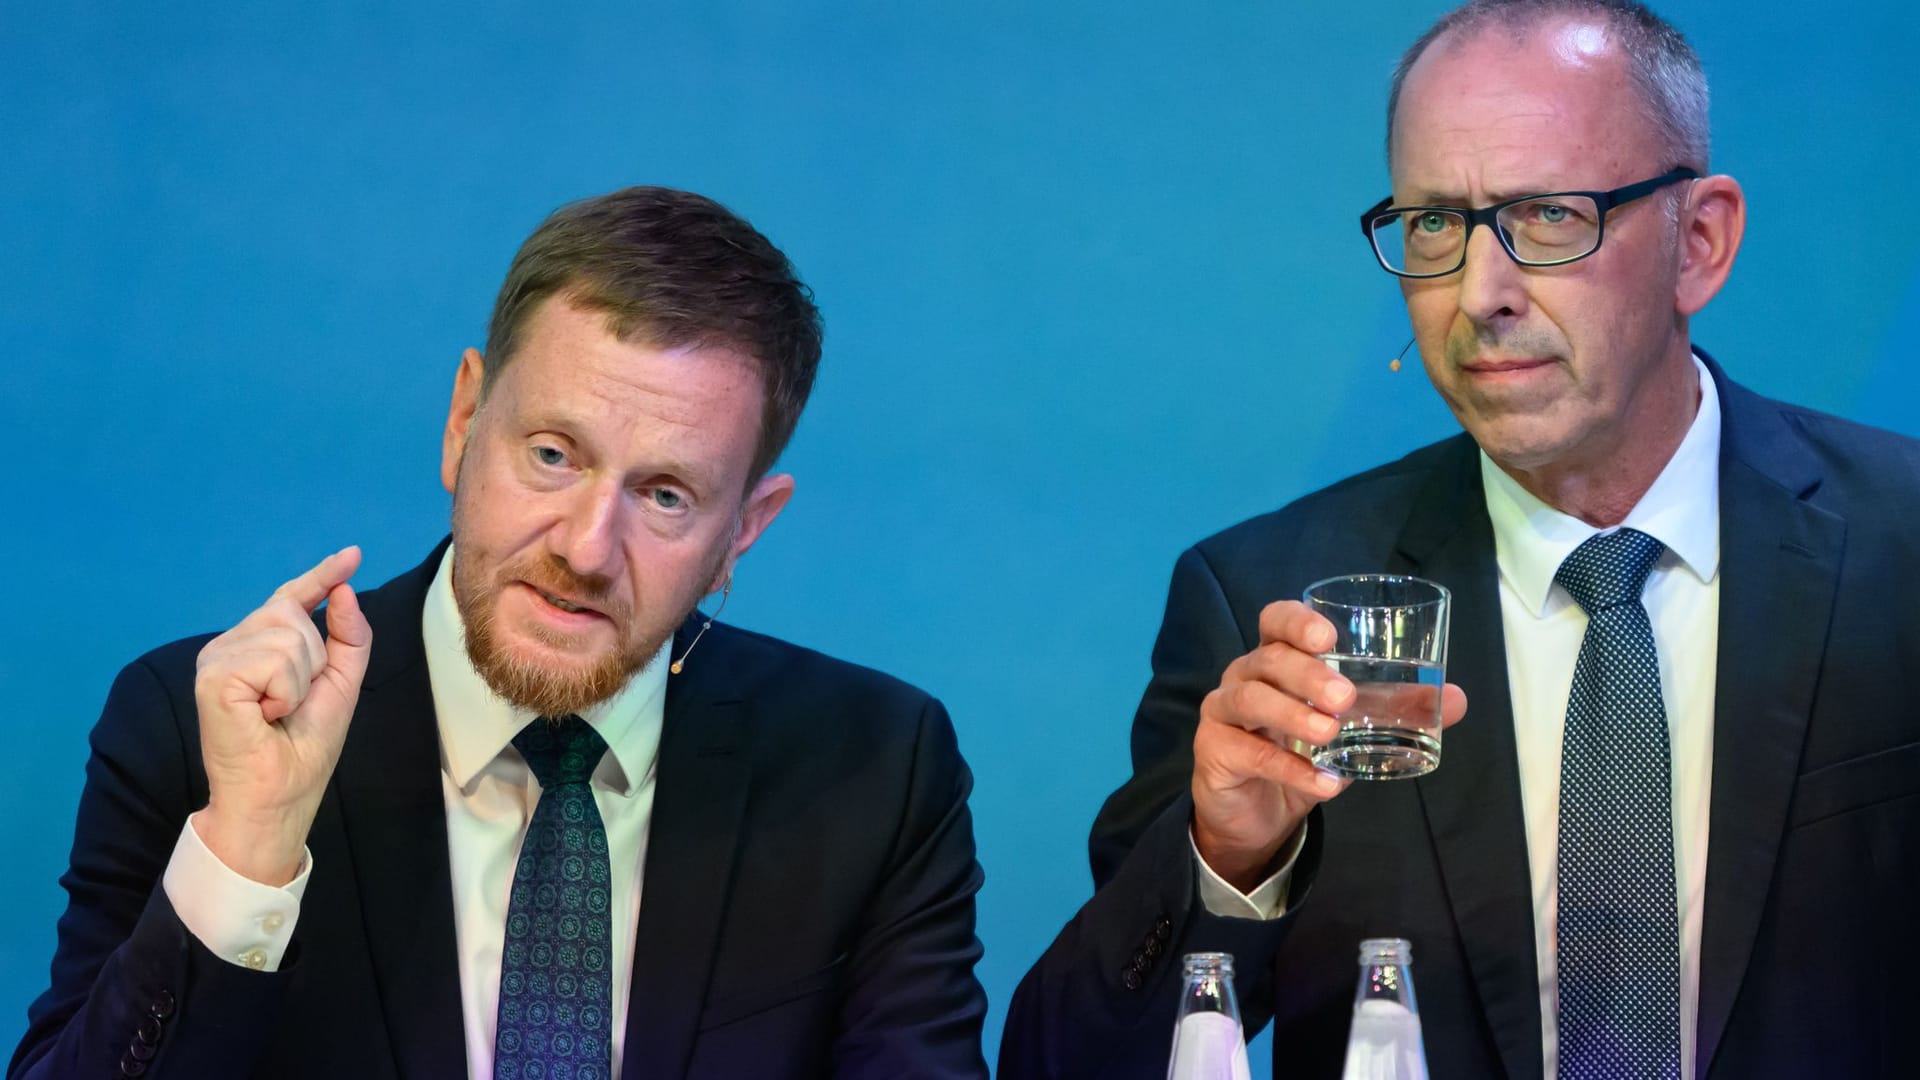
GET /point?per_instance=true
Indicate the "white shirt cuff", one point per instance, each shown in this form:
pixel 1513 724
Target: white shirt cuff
pixel 238 919
pixel 1268 899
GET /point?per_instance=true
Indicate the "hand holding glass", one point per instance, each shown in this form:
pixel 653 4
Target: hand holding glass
pixel 1390 641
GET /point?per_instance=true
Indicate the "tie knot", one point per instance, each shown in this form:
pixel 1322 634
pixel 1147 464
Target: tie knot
pixel 563 751
pixel 1609 569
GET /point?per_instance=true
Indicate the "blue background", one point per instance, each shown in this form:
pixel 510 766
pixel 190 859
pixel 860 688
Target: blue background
pixel 1091 278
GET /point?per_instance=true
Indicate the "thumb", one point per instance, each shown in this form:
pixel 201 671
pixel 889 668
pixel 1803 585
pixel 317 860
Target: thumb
pixel 349 641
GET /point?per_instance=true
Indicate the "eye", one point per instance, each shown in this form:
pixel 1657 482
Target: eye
pixel 1431 222
pixel 667 498
pixel 551 456
pixel 1552 213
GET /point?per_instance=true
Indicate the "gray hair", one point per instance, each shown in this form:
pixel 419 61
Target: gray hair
pixel 1673 88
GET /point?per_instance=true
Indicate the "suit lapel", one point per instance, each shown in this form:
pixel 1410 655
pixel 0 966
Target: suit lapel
pixel 698 806
pixel 1472 801
pixel 392 811
pixel 1779 565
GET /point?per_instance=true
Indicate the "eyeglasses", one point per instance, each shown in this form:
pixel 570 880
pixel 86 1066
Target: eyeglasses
pixel 1537 230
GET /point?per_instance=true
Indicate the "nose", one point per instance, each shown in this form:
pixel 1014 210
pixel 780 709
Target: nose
pixel 587 535
pixel 1493 288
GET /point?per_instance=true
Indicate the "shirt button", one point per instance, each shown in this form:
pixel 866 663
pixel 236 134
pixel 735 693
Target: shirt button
pixel 254 958
pixel 273 922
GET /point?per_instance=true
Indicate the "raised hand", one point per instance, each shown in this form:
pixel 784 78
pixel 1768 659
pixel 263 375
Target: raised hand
pixel 275 699
pixel 1252 784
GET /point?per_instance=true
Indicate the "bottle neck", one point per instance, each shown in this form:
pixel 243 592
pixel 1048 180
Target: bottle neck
pixel 1385 973
pixel 1384 982
pixel 1208 986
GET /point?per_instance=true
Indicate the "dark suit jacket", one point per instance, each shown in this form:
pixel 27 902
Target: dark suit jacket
pixel 809 902
pixel 1813 861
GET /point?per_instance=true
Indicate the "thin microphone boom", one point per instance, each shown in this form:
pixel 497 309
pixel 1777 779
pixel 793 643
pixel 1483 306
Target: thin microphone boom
pixel 1394 364
pixel 680 665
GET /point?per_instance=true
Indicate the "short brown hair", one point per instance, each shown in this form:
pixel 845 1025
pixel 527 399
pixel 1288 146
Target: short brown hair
pixel 672 269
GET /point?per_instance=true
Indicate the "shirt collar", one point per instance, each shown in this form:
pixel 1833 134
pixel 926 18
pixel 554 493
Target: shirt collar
pixel 1681 510
pixel 476 724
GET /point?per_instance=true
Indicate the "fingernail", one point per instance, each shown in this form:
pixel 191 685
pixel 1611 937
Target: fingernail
pixel 1328 783
pixel 1325 731
pixel 1339 693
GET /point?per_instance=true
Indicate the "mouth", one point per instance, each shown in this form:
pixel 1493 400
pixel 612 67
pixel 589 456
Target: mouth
pixel 1495 367
pixel 562 604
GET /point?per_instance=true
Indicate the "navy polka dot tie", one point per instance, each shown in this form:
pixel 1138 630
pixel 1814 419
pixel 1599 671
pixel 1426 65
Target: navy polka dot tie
pixel 556 982
pixel 1619 937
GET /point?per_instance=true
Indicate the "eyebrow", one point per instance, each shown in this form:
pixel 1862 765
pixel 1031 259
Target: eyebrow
pixel 1429 198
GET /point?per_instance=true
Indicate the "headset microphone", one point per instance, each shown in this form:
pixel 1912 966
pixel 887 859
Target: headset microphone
pixel 680 665
pixel 1394 364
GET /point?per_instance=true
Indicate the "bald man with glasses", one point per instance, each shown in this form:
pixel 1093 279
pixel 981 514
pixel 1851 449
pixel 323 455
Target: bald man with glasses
pixel 1678 833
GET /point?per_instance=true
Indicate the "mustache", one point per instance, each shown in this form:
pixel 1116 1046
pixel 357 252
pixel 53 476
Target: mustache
pixel 551 574
pixel 1477 341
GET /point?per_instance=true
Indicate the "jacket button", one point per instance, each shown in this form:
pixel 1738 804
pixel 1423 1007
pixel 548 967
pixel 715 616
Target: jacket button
pixel 1130 979
pixel 1163 928
pixel 130 1067
pixel 162 1006
pixel 140 1051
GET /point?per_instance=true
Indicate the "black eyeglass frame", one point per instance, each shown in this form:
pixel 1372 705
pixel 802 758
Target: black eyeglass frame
pixel 1604 202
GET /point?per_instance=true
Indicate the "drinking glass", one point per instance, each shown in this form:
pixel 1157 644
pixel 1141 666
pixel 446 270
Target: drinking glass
pixel 1390 641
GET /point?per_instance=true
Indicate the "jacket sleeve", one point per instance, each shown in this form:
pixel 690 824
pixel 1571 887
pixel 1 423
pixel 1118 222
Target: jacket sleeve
pixel 914 1007
pixel 1100 1002
pixel 132 992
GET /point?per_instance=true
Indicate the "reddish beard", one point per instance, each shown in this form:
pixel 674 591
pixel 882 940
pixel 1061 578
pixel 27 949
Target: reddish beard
pixel 544 688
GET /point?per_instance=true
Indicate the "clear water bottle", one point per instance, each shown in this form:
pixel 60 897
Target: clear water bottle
pixel 1207 1041
pixel 1385 1041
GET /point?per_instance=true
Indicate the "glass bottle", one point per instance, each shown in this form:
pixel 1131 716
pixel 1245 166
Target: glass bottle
pixel 1385 1040
pixel 1207 1041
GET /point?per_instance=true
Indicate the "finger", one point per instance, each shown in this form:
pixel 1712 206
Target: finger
pixel 1296 624
pixel 266 678
pixel 1255 706
pixel 281 614
pixel 1299 674
pixel 242 656
pixel 1453 705
pixel 349 640
pixel 1230 756
pixel 310 588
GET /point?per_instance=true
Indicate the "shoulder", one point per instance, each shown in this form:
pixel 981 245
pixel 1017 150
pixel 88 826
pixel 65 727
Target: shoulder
pixel 1349 522
pixel 1855 466
pixel 771 673
pixel 164 673
pixel 816 720
pixel 1858 454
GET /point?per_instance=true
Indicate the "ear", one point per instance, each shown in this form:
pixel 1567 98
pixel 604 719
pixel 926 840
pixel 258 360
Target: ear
pixel 1712 221
pixel 466 401
pixel 762 505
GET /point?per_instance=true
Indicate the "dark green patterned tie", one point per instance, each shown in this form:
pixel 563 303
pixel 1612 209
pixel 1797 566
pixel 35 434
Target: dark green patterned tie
pixel 556 1003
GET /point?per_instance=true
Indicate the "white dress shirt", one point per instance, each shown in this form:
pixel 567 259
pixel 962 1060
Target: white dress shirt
pixel 490 795
pixel 1544 628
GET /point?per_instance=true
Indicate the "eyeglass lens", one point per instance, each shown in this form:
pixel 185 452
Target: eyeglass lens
pixel 1538 232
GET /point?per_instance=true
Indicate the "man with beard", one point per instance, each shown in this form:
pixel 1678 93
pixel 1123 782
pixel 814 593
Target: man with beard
pixel 517 813
pixel 1672 837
